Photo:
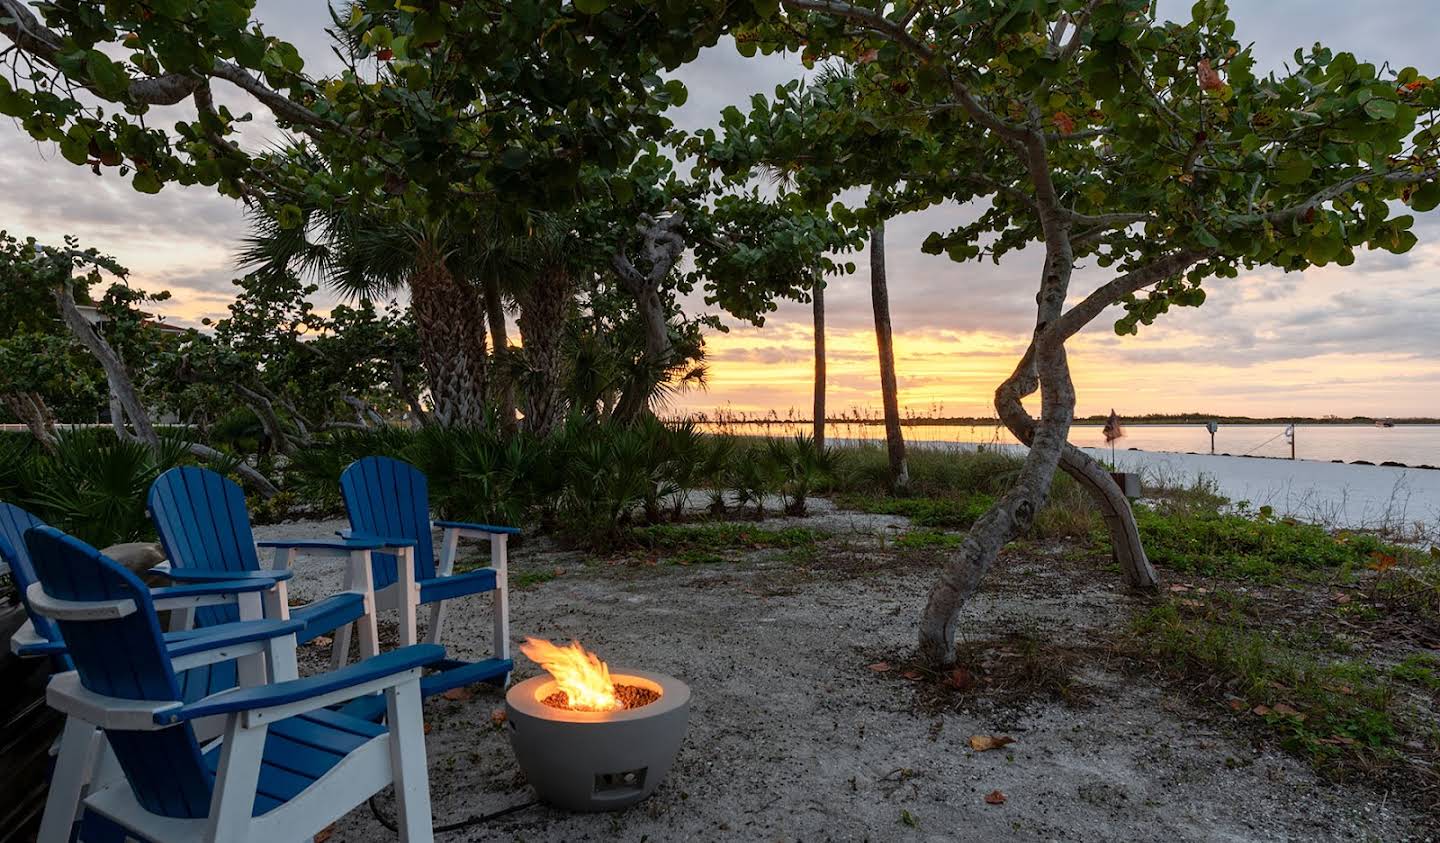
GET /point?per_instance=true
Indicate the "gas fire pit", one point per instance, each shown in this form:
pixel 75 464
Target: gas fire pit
pixel 592 740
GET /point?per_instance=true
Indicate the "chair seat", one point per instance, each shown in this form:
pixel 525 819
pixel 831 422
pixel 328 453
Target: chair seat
pixel 299 750
pixel 457 585
pixel 327 615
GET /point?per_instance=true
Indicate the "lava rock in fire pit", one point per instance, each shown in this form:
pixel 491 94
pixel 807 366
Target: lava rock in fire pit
pixel 630 696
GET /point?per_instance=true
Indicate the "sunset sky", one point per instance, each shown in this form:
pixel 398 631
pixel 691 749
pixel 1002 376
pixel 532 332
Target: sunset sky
pixel 1356 340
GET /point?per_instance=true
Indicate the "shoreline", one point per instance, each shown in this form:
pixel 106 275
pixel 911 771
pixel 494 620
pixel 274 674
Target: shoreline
pixel 1088 421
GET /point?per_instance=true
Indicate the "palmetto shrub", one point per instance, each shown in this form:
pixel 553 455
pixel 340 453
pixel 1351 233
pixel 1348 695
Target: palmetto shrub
pixel 93 485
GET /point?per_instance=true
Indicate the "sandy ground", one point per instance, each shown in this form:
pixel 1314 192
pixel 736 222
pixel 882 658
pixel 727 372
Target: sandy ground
pixel 792 737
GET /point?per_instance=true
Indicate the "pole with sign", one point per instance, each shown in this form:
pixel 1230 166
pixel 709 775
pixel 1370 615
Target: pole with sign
pixel 1212 426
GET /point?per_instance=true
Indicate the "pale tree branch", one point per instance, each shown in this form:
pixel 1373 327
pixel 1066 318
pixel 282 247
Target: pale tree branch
pixel 31 36
pixel 1110 293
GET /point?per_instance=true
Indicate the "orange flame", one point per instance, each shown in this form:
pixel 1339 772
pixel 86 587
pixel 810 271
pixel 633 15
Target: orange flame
pixel 577 671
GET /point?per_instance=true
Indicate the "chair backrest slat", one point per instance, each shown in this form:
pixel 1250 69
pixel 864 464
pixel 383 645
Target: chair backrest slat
pixel 124 658
pixel 390 498
pixel 203 523
pixel 14 521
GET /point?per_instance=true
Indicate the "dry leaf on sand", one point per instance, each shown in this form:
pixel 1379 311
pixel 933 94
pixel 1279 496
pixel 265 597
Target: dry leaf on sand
pixel 985 743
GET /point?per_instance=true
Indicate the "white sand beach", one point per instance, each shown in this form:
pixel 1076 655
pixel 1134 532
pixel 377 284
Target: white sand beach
pixel 1338 495
pixel 1334 494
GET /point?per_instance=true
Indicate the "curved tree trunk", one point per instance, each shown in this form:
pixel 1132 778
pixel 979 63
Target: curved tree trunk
pixel 264 410
pixel 503 379
pixel 661 246
pixel 817 302
pixel 544 314
pixel 125 402
pixel 884 342
pixel 1044 367
pixel 451 326
pixel 30 408
pixel 635 400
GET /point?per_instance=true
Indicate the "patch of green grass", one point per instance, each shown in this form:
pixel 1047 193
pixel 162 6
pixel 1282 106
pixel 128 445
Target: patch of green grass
pixel 926 539
pixel 1234 545
pixel 1420 669
pixel 805 554
pixel 1339 713
pixel 526 579
pixel 724 535
pixel 695 556
pixel 950 513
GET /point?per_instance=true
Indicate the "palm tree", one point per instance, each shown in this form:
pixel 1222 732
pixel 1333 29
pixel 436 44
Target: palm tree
pixel 880 303
pixel 817 301
pixel 363 251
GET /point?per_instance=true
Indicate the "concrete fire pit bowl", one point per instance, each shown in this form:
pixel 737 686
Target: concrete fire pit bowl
pixel 597 760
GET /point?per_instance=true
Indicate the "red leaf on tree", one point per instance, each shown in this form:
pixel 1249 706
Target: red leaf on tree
pixel 385 54
pixel 1064 122
pixel 1209 79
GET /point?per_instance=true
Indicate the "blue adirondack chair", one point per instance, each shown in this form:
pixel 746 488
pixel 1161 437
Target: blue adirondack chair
pixel 204 526
pixel 286 767
pixel 389 501
pixel 40 637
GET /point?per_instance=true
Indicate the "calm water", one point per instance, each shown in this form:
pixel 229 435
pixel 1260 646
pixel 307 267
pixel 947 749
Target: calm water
pixel 1409 444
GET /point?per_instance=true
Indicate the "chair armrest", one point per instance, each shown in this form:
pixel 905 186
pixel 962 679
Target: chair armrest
pixel 358 679
pixel 230 634
pixel 343 542
pixel 27 643
pixel 38 648
pixel 205 589
pixel 377 542
pixel 195 575
pixel 467 527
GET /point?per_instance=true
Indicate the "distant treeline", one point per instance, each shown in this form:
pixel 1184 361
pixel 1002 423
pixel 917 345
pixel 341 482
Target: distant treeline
pixel 1147 418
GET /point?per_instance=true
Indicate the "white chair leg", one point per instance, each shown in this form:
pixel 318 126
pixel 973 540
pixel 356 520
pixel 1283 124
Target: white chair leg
pixel 236 779
pixel 280 653
pixel 73 767
pixel 409 596
pixel 500 561
pixel 437 622
pixel 362 579
pixel 340 649
pixel 403 714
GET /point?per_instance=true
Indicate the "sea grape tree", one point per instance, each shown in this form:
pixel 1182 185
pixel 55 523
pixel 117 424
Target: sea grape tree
pixel 437 114
pixel 1102 134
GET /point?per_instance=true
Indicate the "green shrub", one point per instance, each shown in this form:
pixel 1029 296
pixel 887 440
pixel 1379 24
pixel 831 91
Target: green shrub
pixel 1232 544
pixel 93 485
